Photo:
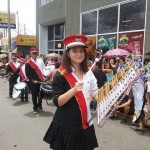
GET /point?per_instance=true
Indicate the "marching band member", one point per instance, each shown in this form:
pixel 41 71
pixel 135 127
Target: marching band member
pixel 28 83
pixel 71 86
pixel 4 63
pixel 11 68
pixel 34 68
pixel 22 76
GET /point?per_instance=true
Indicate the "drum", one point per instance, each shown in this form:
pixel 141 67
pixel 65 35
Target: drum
pixel 17 89
pixel 46 91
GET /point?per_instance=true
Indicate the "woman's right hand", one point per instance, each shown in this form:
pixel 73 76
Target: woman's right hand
pixel 78 86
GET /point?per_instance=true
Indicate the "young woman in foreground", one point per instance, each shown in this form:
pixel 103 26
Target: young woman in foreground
pixel 72 85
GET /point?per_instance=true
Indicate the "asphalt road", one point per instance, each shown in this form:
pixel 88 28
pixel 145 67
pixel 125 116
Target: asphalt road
pixel 20 129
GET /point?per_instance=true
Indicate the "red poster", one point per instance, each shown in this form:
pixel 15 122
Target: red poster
pixel 132 41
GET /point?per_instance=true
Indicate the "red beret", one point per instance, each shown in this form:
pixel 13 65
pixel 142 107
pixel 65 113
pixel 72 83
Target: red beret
pixel 22 60
pixel 75 40
pixel 33 49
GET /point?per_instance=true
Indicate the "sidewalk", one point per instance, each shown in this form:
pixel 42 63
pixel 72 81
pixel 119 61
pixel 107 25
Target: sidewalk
pixel 20 129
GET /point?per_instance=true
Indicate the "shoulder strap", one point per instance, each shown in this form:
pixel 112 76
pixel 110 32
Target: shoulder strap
pixel 79 96
pixel 36 68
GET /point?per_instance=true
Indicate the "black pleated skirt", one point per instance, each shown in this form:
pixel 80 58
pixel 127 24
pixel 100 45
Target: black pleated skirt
pixel 61 138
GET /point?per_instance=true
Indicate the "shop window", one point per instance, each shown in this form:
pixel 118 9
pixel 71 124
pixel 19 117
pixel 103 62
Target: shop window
pixel 107 21
pixel 50 45
pixel 55 36
pixel 89 23
pixel 59 32
pixel 43 2
pixel 59 45
pixel 50 33
pixel 132 15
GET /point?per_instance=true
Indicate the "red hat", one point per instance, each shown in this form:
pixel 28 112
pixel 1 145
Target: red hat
pixel 22 60
pixel 75 40
pixel 33 49
pixel 13 56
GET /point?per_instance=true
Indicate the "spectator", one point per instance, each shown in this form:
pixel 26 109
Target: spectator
pixel 99 74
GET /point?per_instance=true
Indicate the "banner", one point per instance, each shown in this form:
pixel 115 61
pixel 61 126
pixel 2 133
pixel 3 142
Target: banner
pixel 107 42
pixel 91 46
pixel 26 40
pixel 4 20
pixel 132 41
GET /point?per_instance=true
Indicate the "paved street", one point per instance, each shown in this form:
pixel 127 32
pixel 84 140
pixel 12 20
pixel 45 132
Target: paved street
pixel 20 129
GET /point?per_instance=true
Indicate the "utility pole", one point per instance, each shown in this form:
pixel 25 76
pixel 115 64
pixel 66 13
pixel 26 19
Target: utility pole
pixel 24 29
pixel 18 21
pixel 9 30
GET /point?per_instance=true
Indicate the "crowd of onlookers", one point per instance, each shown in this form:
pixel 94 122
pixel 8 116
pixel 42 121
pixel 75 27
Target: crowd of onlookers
pixel 104 70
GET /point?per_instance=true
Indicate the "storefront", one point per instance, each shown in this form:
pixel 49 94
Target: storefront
pixel 119 25
pixel 109 24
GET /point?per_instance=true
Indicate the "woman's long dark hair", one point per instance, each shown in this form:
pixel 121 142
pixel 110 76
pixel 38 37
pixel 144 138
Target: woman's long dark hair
pixel 66 62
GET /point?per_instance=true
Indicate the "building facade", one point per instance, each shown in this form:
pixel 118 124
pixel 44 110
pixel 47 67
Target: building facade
pixel 109 24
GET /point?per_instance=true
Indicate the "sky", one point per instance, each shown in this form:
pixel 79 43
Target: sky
pixel 26 12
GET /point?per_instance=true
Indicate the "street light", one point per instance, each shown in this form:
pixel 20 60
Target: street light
pixel 9 30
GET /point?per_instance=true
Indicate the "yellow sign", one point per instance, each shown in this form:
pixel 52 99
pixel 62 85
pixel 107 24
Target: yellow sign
pixel 27 40
pixel 4 20
pixel 4 41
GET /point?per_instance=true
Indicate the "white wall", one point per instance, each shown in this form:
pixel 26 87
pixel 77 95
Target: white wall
pixel 43 43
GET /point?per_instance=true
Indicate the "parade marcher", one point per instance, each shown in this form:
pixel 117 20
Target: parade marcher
pixel 33 69
pixel 28 83
pixel 51 74
pixel 11 68
pixel 69 129
pixel 4 63
pixel 22 78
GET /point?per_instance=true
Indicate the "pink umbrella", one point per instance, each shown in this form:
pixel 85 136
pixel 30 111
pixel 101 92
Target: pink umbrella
pixel 117 52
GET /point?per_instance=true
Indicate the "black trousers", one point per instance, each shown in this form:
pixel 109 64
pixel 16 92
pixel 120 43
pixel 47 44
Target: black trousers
pixel 11 86
pixel 35 88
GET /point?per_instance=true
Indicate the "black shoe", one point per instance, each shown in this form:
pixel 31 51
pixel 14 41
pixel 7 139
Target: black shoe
pixel 35 111
pixel 40 108
pixel 22 100
pixel 10 96
pixel 26 100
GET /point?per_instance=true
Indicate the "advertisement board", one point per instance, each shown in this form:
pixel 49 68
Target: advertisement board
pixel 26 40
pixel 132 41
pixel 4 20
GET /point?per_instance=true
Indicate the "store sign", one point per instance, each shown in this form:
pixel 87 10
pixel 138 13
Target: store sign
pixel 4 43
pixel 26 40
pixel 4 20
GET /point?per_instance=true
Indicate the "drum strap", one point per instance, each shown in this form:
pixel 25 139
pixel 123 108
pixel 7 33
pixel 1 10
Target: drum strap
pixel 22 74
pixel 13 66
pixel 79 97
pixel 36 68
